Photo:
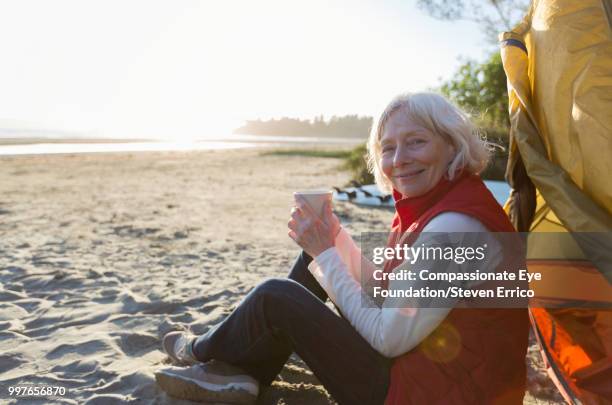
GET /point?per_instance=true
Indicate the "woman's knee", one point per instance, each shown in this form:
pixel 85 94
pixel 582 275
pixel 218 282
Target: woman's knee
pixel 276 287
pixel 278 290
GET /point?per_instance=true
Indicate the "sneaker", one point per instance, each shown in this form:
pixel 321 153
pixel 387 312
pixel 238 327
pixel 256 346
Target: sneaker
pixel 177 345
pixel 213 381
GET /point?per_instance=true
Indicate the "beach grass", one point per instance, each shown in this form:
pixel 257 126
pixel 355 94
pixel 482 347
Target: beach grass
pixel 354 159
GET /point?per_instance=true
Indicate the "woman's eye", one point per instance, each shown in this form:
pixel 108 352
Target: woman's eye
pixel 416 141
pixel 387 149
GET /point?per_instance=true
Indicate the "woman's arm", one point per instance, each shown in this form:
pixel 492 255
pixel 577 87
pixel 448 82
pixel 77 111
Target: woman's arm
pixel 395 328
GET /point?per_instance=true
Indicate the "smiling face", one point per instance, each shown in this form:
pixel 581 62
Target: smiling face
pixel 413 158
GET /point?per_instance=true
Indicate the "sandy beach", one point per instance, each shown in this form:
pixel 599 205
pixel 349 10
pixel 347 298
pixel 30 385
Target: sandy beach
pixel 102 254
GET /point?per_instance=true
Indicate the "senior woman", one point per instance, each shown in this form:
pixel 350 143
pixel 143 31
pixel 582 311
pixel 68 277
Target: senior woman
pixel 425 151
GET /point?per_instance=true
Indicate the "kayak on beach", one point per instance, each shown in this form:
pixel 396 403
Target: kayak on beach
pixel 370 195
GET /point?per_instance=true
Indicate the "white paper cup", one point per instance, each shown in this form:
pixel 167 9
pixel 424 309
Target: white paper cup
pixel 315 199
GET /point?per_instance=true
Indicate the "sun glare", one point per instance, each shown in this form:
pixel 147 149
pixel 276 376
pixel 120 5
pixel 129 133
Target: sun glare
pixel 194 69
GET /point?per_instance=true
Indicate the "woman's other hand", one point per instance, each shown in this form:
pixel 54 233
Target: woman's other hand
pixel 311 233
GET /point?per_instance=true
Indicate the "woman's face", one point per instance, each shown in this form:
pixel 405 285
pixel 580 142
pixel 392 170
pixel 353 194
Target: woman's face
pixel 414 159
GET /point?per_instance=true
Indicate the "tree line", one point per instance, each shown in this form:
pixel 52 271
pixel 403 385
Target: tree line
pixel 349 126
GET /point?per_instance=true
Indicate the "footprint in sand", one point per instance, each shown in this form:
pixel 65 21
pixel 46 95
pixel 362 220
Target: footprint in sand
pixel 134 344
pixel 79 349
pixel 10 361
pixel 82 369
pixel 129 230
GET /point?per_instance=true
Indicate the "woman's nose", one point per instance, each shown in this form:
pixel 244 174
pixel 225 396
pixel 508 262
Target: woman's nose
pixel 401 157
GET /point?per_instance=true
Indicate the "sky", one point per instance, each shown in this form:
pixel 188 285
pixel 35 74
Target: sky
pixel 182 69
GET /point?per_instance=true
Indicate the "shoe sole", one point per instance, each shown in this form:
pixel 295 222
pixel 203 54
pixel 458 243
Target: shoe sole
pixel 190 389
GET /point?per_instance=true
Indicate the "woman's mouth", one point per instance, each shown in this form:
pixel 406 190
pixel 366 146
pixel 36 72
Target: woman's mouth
pixel 409 175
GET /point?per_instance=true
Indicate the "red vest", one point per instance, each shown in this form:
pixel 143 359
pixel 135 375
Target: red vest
pixel 475 356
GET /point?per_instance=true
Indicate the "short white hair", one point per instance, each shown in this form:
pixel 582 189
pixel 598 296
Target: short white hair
pixel 442 118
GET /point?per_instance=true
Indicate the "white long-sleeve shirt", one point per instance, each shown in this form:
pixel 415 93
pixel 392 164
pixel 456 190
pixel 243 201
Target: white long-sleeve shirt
pixel 392 329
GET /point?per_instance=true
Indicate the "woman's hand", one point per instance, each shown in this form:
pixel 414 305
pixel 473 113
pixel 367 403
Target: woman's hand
pixel 313 234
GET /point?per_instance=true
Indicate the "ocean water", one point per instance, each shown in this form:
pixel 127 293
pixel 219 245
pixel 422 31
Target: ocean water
pixel 71 148
pixel 229 142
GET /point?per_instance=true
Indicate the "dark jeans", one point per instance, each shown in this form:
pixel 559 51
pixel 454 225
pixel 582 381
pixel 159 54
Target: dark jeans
pixel 281 316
